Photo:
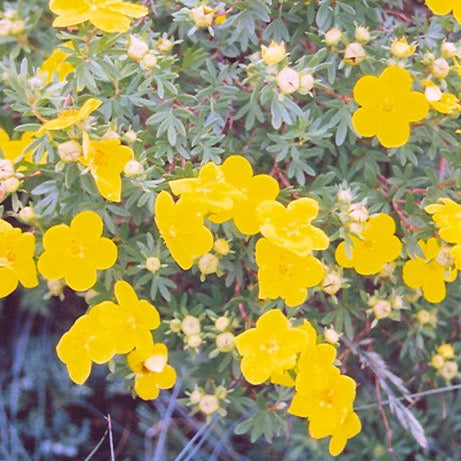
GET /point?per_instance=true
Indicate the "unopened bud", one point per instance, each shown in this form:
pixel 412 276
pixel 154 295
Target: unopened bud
pixel 190 325
pixel 448 49
pixel 208 264
pixel 332 283
pixel 446 351
pixel 149 60
pixel 306 83
pixel 55 287
pixel 225 341
pixel 27 214
pixel 331 335
pixel 194 341
pixel 11 185
pixel 221 323
pixel 195 396
pixel 175 325
pixel 110 134
pixel 202 16
pixel 164 45
pixel 333 36
pixel 5 27
pixel 209 404
pixel 274 53
pixel 131 136
pixel 444 258
pixel 423 317
pixel 344 196
pixel 70 151
pixel 400 48
pixel 449 370
pixel 387 270
pixel 152 264
pixel 221 246
pixel 17 27
pixel 137 49
pixel 288 80
pixel 382 309
pixel 133 168
pixel 437 361
pixel 428 58
pixel 358 212
pixel 440 68
pixel 354 53
pixel 89 294
pixel 220 392
pixel 6 169
pixel 362 34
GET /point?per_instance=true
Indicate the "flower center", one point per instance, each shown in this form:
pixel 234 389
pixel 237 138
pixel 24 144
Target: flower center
pixel 388 105
pixel 76 249
pixel 271 346
pixel 7 260
pixel 326 398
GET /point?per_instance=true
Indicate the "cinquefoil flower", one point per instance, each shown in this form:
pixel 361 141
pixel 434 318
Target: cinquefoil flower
pixel 13 148
pixel 447 216
pixel 373 248
pixel 16 259
pixel 77 251
pixel 107 15
pixel 291 227
pixel 388 106
pixel 286 274
pixel 442 7
pixel 56 63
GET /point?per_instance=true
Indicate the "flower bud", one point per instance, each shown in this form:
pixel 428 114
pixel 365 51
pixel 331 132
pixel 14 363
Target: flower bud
pixel 220 392
pixel 27 214
pixel 287 80
pixel 382 309
pixel 397 302
pixel 362 34
pixel 10 13
pixel 17 27
pixel 202 16
pixel 358 212
pixel 331 335
pixel 440 68
pixel 428 58
pixel 274 53
pixel 444 258
pixel 221 246
pixel 110 134
pixel 55 287
pixel 5 27
pixel 6 168
pixel 221 323
pixel 209 404
pixel 387 270
pixel 11 185
pixel 152 264
pixel 137 49
pixel 306 83
pixel 133 168
pixel 446 351
pixel 190 325
pixel 331 283
pixel 175 325
pixel 449 370
pixel 354 53
pixel 131 136
pixel 149 60
pixel 400 48
pixel 194 341
pixel 448 49
pixel 195 396
pixel 344 196
pixel 89 295
pixel 333 36
pixel 70 151
pixel 423 316
pixel 164 45
pixel 437 361
pixel 35 82
pixel 208 264
pixel 225 341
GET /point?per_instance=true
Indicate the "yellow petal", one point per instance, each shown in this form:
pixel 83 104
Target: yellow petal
pixel 108 182
pixel 368 91
pixel 256 368
pixel 8 281
pixel 125 294
pixel 109 21
pixel 80 275
pixel 393 130
pixel 86 226
pixel 440 7
pixel 128 9
pixel 364 121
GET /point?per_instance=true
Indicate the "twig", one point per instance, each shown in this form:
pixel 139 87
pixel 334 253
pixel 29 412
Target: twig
pixel 111 440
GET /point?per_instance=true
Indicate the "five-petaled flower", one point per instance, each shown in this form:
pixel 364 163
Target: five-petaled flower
pixel 107 15
pixel 426 273
pixel 291 227
pixel 388 106
pixel 286 274
pixel 77 251
pixel 106 159
pixel 447 216
pixel 442 7
pixel 375 246
pixel 270 349
pixel 16 259
pixel 151 370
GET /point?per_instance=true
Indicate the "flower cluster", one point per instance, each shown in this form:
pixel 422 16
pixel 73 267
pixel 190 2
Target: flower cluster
pixel 444 362
pixel 275 350
pixel 124 328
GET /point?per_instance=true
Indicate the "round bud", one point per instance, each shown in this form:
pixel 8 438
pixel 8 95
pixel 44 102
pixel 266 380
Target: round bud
pixel 27 214
pixel 333 36
pixel 440 68
pixel 382 309
pixel 225 341
pixel 194 341
pixel 446 351
pixel 152 264
pixel 149 60
pixel 55 287
pixel 6 168
pixel 202 16
pixel 5 27
pixel 306 83
pixel 209 404
pixel 190 325
pixel 195 396
pixel 449 370
pixel 221 246
pixel 175 325
pixel 89 294
pixel 11 185
pixel 208 264
pixel 362 34
pixel 110 134
pixel 358 212
pixel 387 270
pixel 133 168
pixel 344 196
pixel 221 323
pixel 331 283
pixel 448 49
pixel 17 27
pixel 220 392
pixel 137 48
pixel 287 80
pixel 444 258
pixel 70 151
pixel 164 45
pixel 331 335
pixel 274 53
pixel 437 361
pixel 400 48
pixel 131 136
pixel 354 53
pixel 423 316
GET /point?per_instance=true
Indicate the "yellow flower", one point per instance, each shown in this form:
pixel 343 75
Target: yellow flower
pixel 291 227
pixel 270 349
pixel 427 273
pixel 16 259
pixel 442 7
pixel 373 248
pixel 209 190
pixel 106 160
pixel 181 227
pixel 202 16
pixel 90 339
pixel 388 106
pixel 77 251
pixel 13 148
pixel 56 63
pixel 286 274
pixel 401 49
pixel 152 371
pixel 255 189
pixel 447 216
pixel 70 117
pixel 445 103
pixel 446 350
pixel 274 53
pixel 107 15
pixel 137 317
